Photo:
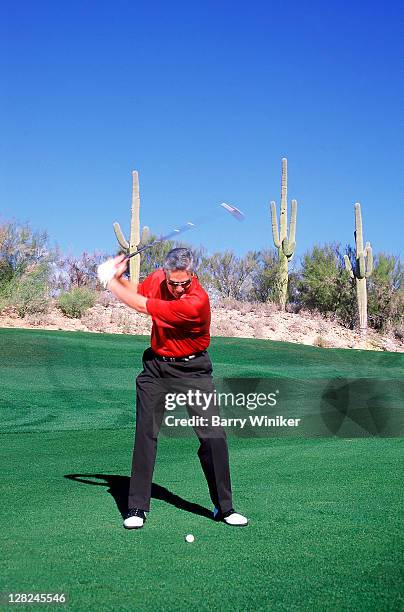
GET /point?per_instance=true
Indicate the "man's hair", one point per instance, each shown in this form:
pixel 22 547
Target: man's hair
pixel 179 259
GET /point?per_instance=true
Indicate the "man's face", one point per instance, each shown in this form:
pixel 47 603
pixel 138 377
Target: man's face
pixel 178 282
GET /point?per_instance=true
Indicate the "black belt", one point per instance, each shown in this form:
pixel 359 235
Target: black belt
pixel 175 359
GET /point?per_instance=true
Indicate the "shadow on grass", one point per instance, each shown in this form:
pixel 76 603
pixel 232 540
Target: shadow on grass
pixel 119 489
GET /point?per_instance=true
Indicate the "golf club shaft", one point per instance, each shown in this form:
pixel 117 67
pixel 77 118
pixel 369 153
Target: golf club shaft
pixel 234 212
pixel 176 232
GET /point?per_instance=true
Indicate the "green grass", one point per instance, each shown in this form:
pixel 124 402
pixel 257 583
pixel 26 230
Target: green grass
pixel 326 523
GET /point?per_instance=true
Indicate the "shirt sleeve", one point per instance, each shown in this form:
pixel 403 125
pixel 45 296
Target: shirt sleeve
pixel 187 312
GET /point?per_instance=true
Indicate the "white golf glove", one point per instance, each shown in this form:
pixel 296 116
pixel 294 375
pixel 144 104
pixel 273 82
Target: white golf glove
pixel 106 272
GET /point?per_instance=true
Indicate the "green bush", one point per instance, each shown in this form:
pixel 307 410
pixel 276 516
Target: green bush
pixel 3 300
pixel 265 281
pixel 325 284
pixel 29 293
pixel 265 285
pixel 75 302
pixel 6 271
pixel 26 268
pixel 385 293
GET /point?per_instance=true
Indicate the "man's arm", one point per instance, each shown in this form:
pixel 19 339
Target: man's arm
pixel 123 289
pixel 127 283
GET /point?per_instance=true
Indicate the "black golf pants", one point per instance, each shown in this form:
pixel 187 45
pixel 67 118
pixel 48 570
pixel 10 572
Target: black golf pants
pixel 212 452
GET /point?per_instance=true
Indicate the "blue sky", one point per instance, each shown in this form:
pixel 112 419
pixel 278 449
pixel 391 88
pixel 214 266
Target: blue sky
pixel 203 99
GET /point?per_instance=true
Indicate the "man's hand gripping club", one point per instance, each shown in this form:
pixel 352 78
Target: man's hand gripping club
pixel 110 276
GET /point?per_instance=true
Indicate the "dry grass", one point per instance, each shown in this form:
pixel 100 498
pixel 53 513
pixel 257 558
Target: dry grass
pixel 322 342
pixel 247 307
pixel 223 328
pixel 37 319
pixel 95 321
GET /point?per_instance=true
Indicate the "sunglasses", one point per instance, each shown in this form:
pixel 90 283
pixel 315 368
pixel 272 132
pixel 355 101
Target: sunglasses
pixel 183 284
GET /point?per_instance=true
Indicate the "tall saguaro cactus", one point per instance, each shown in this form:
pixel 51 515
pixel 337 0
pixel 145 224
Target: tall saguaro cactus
pixel 362 271
pixel 284 244
pixel 134 237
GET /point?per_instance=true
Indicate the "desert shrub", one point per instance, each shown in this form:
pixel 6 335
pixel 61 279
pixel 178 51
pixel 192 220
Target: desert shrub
pixel 80 271
pixel 266 279
pixel 106 298
pixel 26 268
pixel 37 319
pixel 321 342
pixel 96 321
pixel 230 276
pixel 21 249
pixel 266 276
pixel 29 293
pixel 75 302
pixel 292 301
pixel 6 271
pixel 258 329
pixel 125 322
pixel 325 286
pixel 399 331
pixel 386 293
pixel 3 299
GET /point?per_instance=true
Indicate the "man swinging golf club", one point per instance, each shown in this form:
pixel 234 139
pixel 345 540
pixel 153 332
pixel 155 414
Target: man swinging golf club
pixel 180 311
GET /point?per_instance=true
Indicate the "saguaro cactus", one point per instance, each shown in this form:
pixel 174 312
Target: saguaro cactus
pixel 134 238
pixel 362 271
pixel 284 244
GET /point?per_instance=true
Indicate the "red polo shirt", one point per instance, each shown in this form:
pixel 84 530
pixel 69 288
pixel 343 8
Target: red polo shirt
pixel 180 326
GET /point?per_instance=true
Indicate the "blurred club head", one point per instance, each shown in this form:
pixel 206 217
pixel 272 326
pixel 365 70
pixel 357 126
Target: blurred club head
pixel 235 212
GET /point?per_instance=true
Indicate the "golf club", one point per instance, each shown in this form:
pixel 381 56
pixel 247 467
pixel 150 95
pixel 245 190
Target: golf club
pixel 232 210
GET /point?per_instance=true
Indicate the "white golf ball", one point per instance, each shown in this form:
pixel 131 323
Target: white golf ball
pixel 189 538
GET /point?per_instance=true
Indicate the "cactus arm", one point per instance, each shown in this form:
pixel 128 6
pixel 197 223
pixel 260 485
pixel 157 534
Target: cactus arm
pixel 358 230
pixel 292 228
pixel 369 260
pixel 121 238
pixel 283 219
pixel 348 266
pixel 275 231
pixel 145 237
pixel 289 244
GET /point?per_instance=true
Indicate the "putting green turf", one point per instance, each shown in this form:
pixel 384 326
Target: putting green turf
pixel 325 530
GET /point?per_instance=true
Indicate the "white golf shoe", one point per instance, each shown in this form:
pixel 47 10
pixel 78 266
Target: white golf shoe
pixel 134 518
pixel 231 518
